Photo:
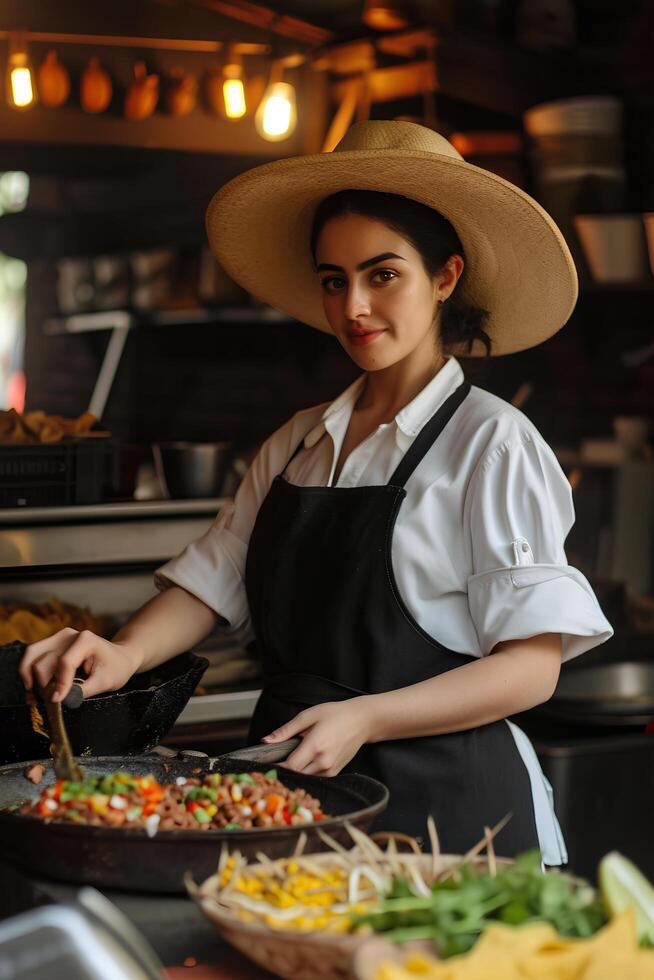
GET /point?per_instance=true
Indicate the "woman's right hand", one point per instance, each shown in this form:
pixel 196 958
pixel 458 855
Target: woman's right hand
pixel 108 665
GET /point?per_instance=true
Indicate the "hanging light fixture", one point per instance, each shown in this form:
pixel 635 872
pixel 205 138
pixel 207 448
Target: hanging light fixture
pixel 276 117
pixel 384 15
pixel 233 87
pixel 21 90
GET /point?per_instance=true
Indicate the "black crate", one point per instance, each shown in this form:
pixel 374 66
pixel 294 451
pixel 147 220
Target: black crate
pixel 76 471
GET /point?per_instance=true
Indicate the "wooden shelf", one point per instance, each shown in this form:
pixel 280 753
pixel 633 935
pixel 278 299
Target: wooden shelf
pixel 130 319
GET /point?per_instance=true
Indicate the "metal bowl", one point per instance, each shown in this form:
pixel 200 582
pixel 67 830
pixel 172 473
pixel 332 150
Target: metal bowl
pixel 192 469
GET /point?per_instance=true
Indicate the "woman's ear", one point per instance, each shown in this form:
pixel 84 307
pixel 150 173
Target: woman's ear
pixel 448 277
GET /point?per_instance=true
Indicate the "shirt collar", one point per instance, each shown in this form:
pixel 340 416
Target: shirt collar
pixel 417 413
pixel 345 402
pixel 412 417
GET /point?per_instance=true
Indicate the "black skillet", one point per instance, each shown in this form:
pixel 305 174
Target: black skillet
pixel 125 722
pixel 127 859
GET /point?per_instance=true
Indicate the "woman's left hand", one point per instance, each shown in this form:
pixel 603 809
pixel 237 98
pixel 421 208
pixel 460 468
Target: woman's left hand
pixel 332 734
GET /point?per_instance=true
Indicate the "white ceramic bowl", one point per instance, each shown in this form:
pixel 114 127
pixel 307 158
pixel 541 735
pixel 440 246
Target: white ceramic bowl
pixel 614 246
pixel 591 114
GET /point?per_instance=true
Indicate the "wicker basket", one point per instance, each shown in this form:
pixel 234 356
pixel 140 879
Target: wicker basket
pixel 300 955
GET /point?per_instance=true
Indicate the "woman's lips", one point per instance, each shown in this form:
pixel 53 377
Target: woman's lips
pixel 366 337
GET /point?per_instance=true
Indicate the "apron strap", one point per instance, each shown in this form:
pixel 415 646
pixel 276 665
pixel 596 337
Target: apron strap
pixel 428 436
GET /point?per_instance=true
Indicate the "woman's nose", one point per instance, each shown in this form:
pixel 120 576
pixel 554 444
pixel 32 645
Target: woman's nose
pixel 357 302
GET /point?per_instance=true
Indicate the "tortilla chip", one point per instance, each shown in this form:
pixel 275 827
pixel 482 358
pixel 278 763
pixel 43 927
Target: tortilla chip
pixel 536 952
pixel 28 627
pixel 37 427
pixel 7 633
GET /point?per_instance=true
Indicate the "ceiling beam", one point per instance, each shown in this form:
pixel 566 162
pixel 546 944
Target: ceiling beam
pixel 269 20
pixel 398 82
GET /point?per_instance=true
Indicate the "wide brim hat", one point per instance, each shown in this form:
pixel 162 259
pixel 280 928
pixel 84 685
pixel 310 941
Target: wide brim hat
pixel 517 264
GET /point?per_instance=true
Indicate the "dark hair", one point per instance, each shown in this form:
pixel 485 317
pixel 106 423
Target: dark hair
pixel 431 235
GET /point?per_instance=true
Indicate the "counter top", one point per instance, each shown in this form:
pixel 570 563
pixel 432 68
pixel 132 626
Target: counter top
pixel 122 510
pixel 173 926
pixel 117 534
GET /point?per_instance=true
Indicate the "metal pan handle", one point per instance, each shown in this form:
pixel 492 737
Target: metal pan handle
pixel 276 752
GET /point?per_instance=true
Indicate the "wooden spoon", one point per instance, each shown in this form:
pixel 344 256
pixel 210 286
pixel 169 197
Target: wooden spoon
pixel 60 750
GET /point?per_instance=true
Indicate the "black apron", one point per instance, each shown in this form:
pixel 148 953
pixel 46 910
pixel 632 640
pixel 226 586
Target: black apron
pixel 330 624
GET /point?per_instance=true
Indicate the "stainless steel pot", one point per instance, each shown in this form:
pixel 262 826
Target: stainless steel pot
pixel 192 469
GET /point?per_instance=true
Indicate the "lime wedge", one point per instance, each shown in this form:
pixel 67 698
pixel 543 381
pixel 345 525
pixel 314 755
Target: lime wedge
pixel 624 886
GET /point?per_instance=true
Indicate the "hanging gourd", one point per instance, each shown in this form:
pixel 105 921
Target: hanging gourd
pixel 181 92
pixel 142 95
pixel 96 89
pixel 213 90
pixel 53 81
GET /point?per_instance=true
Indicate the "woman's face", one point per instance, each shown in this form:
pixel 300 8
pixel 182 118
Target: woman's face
pixel 378 298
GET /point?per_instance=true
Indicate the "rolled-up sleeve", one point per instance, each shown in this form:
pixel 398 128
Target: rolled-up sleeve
pixel 212 568
pixel 519 512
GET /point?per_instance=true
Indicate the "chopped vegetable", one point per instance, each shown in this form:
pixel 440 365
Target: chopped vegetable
pixel 152 824
pixel 216 801
pixel 273 803
pixel 458 908
pixel 624 886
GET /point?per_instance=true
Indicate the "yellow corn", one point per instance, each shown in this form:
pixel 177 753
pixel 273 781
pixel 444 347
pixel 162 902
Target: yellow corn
pixel 418 964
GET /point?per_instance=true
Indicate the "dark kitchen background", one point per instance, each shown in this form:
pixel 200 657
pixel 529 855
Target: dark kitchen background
pixel 109 298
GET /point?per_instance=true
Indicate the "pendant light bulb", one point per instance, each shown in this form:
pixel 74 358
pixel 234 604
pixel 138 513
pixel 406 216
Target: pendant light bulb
pixel 21 90
pixel 233 87
pixel 234 95
pixel 276 117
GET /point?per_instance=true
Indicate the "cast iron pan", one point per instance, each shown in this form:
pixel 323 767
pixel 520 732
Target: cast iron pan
pixel 125 722
pixel 112 857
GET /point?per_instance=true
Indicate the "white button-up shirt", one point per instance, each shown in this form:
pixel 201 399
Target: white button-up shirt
pixel 477 548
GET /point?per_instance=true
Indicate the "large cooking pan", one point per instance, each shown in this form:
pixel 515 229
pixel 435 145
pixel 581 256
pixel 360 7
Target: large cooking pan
pixel 619 693
pixel 129 721
pixel 126 858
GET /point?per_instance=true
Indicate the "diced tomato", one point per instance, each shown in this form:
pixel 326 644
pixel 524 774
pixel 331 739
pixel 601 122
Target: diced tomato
pixel 318 815
pixel 286 815
pixel 43 810
pixel 192 806
pixel 152 789
pixel 58 788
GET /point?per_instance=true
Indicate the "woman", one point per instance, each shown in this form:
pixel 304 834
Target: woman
pixel 398 553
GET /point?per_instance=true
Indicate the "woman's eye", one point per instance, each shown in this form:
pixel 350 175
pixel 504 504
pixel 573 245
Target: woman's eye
pixel 333 284
pixel 384 275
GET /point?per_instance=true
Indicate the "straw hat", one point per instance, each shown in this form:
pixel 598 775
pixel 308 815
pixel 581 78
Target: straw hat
pixel 518 266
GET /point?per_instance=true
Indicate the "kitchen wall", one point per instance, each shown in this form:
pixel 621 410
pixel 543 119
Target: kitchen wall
pixel 241 380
